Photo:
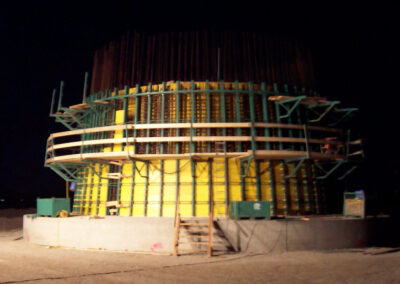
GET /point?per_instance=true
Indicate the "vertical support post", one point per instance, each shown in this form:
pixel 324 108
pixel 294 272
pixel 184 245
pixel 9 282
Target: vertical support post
pixel 162 149
pixel 146 189
pixel 296 184
pixel 85 85
pixel 253 135
pixel 273 189
pixel 252 118
pixel 265 113
pixel 239 133
pixel 258 183
pixel 177 194
pixel 193 116
pixel 148 116
pixel 193 170
pixel 208 113
pixel 60 96
pixel 277 115
pixel 137 109
pixel 237 106
pixel 99 191
pixel 223 119
pixel 132 188
pixel 210 188
pixel 52 102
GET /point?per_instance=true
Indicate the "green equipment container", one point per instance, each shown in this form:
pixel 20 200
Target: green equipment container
pixel 52 206
pixel 250 209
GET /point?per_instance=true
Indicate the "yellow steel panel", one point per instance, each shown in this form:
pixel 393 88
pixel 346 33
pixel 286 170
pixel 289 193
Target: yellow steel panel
pixel 202 172
pixel 265 180
pixel 185 173
pixel 185 200
pixel 292 189
pixel 103 191
pixel 140 174
pixel 170 171
pixel 87 192
pixel 138 197
pixel 125 196
pixel 169 194
pixel 154 172
pixel 280 196
pixel 234 170
pixel 95 190
pixel 235 191
pixel 250 189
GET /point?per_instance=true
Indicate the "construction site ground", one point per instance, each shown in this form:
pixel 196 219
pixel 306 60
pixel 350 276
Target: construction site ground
pixel 21 262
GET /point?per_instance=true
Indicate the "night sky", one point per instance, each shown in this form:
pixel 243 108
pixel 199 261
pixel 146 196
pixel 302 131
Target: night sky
pixel 353 48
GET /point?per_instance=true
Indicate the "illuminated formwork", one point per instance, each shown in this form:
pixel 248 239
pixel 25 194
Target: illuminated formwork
pixel 186 146
pixel 190 145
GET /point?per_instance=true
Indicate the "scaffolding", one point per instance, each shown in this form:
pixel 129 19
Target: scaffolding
pixel 148 150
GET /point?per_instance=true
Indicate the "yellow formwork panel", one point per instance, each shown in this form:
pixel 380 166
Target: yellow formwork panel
pixel 265 181
pixel 234 180
pixel 154 189
pixel 153 199
pixel 94 191
pixel 139 189
pixel 250 183
pixel 266 184
pixel 279 187
pixel 119 119
pixel 202 189
pixel 86 193
pixel 103 191
pixel 202 199
pixel 219 188
pixel 169 189
pixel 126 189
pixel 185 188
pixel 304 190
pixel 293 190
pixel 185 199
pixel 169 193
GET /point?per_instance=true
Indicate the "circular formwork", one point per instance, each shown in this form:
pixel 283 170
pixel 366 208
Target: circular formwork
pixel 189 147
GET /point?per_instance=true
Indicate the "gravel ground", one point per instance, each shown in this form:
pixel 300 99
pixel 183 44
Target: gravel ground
pixel 21 262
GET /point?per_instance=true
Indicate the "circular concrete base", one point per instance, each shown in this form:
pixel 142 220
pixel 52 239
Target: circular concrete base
pixel 156 234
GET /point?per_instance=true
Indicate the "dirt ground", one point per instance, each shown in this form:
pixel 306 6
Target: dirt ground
pixel 21 262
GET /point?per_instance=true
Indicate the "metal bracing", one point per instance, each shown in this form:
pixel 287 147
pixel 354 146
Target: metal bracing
pixel 283 103
pixel 327 106
pixel 182 136
pixel 346 113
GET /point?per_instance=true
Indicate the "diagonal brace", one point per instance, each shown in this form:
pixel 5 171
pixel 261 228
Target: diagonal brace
pixel 289 111
pixel 329 105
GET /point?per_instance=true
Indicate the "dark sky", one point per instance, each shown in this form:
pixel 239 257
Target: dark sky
pixel 353 46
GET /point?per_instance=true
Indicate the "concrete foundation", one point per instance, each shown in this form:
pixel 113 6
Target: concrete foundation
pixel 153 234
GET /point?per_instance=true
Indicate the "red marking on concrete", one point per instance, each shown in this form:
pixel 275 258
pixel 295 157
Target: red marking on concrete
pixel 156 246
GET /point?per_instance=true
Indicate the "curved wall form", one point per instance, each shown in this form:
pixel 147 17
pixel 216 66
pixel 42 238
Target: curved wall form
pixel 190 121
pixel 189 146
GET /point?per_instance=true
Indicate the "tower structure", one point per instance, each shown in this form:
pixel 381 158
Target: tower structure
pixel 189 122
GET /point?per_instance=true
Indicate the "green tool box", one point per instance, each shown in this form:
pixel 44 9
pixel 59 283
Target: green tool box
pixel 250 209
pixel 52 206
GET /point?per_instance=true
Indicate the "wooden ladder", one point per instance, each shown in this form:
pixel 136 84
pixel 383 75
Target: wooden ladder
pixel 194 231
